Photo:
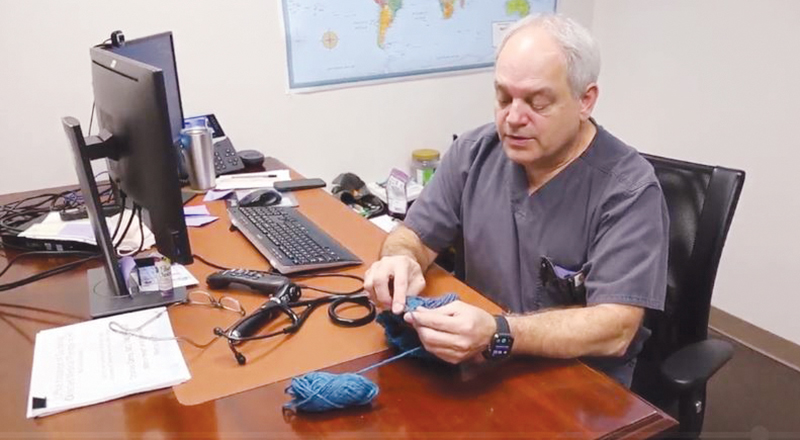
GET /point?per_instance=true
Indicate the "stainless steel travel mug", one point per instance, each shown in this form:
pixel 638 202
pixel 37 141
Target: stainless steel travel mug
pixel 198 155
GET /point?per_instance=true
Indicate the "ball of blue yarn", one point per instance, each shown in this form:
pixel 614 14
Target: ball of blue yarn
pixel 320 391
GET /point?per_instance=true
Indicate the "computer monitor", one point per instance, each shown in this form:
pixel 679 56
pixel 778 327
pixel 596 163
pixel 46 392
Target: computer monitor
pixel 136 140
pixel 159 51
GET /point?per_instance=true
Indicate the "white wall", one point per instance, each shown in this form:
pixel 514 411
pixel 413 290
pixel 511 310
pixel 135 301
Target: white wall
pixel 231 61
pixel 716 81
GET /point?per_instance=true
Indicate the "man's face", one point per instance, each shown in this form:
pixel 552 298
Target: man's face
pixel 537 116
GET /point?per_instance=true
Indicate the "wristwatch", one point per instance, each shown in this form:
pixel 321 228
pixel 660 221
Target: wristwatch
pixel 501 342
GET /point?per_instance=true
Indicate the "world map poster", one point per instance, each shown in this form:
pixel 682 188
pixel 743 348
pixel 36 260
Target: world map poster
pixel 340 42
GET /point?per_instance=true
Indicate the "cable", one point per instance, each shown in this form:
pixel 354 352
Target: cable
pixel 303 276
pixel 141 232
pixel 214 265
pixel 127 227
pixel 119 221
pixel 48 273
pixel 14 216
pixel 50 253
pixel 331 275
pixel 91 119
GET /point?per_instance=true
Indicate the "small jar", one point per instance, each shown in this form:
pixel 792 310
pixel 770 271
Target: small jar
pixel 423 164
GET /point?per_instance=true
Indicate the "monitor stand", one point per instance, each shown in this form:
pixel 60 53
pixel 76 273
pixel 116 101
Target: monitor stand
pixel 108 291
pixel 104 302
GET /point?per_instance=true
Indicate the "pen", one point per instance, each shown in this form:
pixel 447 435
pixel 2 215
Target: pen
pixel 249 176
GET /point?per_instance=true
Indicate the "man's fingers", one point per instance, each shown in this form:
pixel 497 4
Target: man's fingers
pixel 434 320
pixel 399 289
pixel 368 282
pixel 381 286
pixel 391 279
pixel 446 346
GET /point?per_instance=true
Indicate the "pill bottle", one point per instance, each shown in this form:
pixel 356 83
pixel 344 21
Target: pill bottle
pixel 423 164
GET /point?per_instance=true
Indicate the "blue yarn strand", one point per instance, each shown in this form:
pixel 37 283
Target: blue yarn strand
pixel 320 391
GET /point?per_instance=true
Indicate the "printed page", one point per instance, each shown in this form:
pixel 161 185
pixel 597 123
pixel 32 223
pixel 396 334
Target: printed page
pixel 87 363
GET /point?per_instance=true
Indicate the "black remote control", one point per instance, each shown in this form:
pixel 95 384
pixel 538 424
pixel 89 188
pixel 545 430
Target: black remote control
pixel 263 282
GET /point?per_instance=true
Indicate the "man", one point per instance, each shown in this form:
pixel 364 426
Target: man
pixel 562 224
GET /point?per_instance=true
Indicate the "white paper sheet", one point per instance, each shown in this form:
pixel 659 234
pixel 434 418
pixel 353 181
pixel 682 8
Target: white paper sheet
pixel 53 228
pixel 264 179
pixel 195 221
pixel 88 363
pixel 181 277
pixel 195 210
pixel 385 222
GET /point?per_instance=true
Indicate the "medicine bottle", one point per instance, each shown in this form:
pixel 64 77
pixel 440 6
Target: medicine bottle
pixel 423 164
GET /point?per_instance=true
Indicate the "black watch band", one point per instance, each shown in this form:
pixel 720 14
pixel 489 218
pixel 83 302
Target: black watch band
pixel 501 342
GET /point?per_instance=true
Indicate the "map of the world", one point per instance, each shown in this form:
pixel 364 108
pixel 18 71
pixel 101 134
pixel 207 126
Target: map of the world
pixel 335 42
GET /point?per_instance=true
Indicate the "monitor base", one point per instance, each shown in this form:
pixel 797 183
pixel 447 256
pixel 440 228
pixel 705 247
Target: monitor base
pixel 103 302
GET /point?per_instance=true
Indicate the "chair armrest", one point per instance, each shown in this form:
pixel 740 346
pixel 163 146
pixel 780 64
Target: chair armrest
pixel 694 364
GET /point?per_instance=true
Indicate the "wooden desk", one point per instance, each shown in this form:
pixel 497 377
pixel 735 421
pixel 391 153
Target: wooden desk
pixel 525 398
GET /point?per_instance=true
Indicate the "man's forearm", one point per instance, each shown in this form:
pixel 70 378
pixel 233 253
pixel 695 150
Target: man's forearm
pixel 404 241
pixel 601 330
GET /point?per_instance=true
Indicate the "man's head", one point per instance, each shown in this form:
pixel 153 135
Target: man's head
pixel 546 87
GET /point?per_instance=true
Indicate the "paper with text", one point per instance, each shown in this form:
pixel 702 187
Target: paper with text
pixel 88 363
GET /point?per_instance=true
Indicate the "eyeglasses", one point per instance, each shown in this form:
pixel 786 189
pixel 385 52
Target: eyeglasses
pixel 203 298
pixel 197 297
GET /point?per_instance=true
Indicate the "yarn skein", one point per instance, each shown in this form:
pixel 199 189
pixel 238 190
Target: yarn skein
pixel 320 391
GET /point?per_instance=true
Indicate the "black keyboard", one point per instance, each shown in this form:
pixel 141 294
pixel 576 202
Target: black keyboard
pixel 289 240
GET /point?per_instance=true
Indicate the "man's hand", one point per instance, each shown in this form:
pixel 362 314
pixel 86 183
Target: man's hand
pixel 454 332
pixel 390 279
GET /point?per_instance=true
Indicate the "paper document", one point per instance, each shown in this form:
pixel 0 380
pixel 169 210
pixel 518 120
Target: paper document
pixel 195 210
pixel 212 195
pixel 264 179
pixel 53 228
pixel 385 222
pixel 88 363
pixel 200 220
pixel 181 277
pixel 413 190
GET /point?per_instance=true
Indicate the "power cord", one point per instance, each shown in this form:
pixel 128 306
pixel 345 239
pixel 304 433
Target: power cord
pixel 46 274
pixel 43 253
pixel 300 277
pixel 16 214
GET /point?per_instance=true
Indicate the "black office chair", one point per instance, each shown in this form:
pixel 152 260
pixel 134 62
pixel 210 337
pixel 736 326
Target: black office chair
pixel 679 358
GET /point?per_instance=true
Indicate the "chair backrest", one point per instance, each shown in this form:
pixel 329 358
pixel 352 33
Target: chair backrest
pixel 701 200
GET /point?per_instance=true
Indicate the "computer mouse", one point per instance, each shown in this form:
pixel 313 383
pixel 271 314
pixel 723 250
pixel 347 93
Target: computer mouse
pixel 262 197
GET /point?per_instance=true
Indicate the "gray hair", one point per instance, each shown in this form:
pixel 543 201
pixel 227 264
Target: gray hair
pixel 581 54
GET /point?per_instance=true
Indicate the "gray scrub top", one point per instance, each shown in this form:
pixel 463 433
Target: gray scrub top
pixel 603 215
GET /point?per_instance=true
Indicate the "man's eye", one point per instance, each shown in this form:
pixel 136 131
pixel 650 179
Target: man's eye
pixel 503 100
pixel 540 106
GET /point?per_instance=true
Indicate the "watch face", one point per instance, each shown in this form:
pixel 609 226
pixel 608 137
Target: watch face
pixel 500 347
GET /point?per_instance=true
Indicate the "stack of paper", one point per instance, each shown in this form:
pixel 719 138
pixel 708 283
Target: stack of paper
pixel 88 363
pixel 53 228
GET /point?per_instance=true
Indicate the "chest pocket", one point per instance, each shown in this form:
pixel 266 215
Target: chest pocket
pixel 560 286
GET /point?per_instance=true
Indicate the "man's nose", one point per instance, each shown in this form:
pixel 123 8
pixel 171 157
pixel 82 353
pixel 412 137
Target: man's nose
pixel 517 114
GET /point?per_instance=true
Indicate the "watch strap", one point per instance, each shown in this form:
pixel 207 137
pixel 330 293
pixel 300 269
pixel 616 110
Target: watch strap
pixel 502 325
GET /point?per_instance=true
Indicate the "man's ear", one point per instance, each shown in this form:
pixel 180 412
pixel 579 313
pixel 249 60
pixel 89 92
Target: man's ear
pixel 588 100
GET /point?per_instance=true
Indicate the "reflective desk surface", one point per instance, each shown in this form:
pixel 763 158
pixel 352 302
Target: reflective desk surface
pixel 523 398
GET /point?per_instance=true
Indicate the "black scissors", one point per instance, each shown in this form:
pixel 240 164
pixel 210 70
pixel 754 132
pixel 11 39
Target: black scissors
pixel 284 302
